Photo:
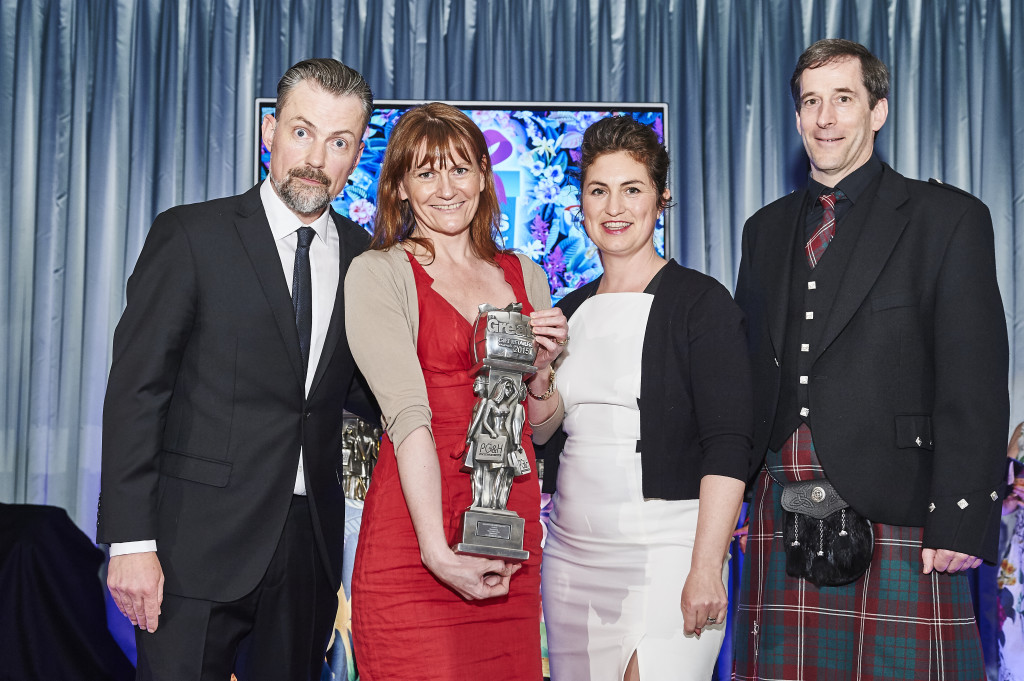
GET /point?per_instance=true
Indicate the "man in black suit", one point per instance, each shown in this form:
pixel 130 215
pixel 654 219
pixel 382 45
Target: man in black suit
pixel 875 323
pixel 221 490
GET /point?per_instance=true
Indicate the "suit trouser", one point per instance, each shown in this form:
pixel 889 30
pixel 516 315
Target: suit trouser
pixel 278 632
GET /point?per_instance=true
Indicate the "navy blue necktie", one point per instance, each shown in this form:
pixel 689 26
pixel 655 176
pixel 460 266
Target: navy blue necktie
pixel 302 291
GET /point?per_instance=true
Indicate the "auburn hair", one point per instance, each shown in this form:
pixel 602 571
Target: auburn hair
pixel 433 134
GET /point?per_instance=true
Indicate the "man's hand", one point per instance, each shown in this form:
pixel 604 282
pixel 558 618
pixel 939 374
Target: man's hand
pixel 943 560
pixel 136 581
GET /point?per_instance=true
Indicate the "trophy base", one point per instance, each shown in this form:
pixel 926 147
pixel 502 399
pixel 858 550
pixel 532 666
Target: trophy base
pixel 490 533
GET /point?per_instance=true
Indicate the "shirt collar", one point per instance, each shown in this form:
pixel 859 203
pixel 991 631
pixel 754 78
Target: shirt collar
pixel 852 186
pixel 283 222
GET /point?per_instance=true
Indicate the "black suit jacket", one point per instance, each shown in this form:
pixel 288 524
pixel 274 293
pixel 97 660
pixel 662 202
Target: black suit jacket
pixel 205 410
pixel 908 392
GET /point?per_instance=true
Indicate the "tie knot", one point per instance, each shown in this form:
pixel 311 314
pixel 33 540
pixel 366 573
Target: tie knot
pixel 828 201
pixel 306 235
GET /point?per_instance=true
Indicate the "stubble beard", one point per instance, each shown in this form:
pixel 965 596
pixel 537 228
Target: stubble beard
pixel 302 198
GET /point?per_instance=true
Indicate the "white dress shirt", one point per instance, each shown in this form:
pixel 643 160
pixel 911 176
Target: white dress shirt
pixel 325 267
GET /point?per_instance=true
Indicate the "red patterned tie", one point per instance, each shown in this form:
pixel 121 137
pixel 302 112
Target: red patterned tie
pixel 818 242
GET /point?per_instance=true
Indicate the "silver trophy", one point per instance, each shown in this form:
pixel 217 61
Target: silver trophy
pixel 360 442
pixel 503 353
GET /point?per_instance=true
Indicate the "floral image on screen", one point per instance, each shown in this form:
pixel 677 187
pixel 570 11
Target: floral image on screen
pixel 534 152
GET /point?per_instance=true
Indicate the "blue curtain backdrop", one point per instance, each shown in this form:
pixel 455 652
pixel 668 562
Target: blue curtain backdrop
pixel 115 110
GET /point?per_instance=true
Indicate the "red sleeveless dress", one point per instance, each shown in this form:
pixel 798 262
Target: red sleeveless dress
pixel 406 624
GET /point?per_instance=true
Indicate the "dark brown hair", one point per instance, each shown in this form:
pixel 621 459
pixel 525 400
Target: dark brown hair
pixel 831 50
pixel 624 133
pixel 333 77
pixel 434 133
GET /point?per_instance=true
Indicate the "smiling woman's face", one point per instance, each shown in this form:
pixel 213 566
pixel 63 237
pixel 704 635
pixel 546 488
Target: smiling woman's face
pixel 443 199
pixel 620 204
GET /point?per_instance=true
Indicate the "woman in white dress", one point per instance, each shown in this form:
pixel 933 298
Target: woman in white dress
pixel 655 386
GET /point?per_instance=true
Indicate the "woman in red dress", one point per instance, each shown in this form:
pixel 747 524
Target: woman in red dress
pixel 421 611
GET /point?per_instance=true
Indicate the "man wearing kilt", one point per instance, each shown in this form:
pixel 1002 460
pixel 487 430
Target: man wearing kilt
pixel 879 351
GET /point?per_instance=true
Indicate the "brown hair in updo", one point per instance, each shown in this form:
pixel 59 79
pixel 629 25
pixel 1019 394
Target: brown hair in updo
pixel 624 133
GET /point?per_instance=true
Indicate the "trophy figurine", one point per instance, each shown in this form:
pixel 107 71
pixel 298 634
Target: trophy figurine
pixel 360 442
pixel 503 353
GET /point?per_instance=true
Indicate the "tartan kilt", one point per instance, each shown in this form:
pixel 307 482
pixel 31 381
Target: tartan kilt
pixel 892 623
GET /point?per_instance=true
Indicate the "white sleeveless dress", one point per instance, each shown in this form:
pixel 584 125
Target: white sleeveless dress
pixel 614 564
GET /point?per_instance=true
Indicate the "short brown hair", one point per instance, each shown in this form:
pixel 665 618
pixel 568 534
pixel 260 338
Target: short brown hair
pixel 333 77
pixel 624 133
pixel 873 71
pixel 436 132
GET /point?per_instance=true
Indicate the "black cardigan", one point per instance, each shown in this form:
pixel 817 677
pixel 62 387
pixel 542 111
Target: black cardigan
pixel 701 422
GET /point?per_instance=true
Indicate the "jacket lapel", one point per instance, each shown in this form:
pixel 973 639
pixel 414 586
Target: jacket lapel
pixel 777 265
pixel 881 231
pixel 254 231
pixel 337 325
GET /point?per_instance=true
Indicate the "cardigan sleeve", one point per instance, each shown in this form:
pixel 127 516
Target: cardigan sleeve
pixel 720 383
pixel 381 330
pixel 543 431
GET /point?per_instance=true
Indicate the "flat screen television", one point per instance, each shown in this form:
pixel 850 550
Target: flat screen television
pixel 533 147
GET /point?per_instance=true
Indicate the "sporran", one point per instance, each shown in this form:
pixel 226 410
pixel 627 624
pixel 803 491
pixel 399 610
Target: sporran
pixel 827 542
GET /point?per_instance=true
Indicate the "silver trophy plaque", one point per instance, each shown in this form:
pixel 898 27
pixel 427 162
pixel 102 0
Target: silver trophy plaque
pixel 503 353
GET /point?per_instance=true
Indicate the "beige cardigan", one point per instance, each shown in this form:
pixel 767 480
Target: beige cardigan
pixel 382 320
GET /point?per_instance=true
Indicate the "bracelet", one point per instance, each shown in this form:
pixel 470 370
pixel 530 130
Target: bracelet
pixel 547 393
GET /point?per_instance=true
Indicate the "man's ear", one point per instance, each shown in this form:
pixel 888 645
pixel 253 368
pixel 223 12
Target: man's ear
pixel 355 161
pixel 879 114
pixel 267 129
